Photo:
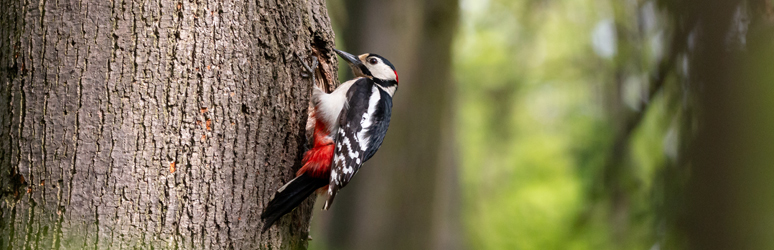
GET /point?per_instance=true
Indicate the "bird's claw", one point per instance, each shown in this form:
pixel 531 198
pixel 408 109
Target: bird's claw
pixel 309 70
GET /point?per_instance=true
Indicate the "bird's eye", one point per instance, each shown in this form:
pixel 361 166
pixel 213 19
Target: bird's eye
pixel 373 60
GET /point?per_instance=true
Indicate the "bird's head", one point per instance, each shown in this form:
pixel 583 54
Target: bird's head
pixel 372 66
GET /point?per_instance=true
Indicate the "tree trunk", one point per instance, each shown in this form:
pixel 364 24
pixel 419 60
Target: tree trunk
pixel 729 196
pixel 406 196
pixel 154 124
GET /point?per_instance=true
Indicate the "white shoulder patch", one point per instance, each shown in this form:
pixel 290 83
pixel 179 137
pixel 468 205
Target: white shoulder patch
pixel 365 124
pixel 329 105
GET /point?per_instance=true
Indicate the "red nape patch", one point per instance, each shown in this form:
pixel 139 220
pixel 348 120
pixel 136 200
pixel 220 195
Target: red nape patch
pixel 396 75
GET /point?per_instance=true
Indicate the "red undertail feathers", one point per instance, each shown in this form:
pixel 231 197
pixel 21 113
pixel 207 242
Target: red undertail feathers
pixel 317 161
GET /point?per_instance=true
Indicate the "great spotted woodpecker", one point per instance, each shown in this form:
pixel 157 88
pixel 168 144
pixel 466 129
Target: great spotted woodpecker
pixel 351 123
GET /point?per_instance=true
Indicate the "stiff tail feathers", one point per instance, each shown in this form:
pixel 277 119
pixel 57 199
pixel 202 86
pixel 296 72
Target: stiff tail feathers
pixel 313 175
pixel 289 197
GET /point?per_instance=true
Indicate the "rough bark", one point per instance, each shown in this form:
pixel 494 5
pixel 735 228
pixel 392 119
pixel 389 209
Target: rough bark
pixel 154 124
pixel 406 197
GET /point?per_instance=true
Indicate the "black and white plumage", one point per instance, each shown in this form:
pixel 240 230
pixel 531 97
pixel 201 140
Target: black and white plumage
pixel 364 117
pixel 362 126
pixel 351 123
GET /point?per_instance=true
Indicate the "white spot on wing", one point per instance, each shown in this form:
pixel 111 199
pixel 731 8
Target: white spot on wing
pixel 334 177
pixel 352 153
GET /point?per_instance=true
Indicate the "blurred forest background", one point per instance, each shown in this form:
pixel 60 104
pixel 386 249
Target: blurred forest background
pixel 578 124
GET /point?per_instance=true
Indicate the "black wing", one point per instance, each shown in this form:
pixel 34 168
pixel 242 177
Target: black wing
pixel 362 123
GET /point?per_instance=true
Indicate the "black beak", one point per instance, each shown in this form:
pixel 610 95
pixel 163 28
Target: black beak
pixel 358 68
pixel 353 61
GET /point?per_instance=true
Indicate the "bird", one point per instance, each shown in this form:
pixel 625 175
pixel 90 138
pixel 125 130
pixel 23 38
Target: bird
pixel 350 125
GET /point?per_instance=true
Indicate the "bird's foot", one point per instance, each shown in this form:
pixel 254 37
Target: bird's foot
pixel 309 70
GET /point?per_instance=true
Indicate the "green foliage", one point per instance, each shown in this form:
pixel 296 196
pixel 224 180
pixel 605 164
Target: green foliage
pixel 538 115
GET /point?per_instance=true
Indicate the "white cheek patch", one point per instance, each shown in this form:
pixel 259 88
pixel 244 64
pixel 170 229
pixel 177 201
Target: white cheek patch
pixel 382 71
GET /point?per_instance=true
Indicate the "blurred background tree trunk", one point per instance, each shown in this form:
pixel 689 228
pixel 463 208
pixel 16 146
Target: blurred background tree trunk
pixel 729 196
pixel 407 196
pixel 153 124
